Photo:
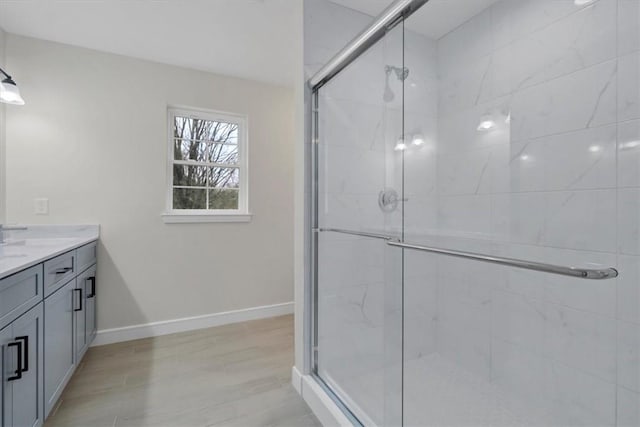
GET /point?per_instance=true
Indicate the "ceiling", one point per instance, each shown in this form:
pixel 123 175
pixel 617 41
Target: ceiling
pixel 253 39
pixel 434 19
pixel 243 38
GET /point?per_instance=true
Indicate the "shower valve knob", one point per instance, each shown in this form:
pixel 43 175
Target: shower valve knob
pixel 388 200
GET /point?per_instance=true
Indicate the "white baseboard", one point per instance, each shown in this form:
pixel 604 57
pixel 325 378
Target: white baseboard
pixel 296 379
pixel 323 407
pixel 128 333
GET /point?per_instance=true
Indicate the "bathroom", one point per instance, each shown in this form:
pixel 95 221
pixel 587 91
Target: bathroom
pixel 341 212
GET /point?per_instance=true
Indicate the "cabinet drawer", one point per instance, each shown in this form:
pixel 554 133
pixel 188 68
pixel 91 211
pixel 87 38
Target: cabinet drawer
pixel 20 292
pixel 86 256
pixel 57 271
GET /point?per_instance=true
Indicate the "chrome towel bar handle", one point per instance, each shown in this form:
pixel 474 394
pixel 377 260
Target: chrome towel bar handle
pixel 581 273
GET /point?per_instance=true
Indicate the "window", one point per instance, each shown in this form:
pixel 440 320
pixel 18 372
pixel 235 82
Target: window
pixel 207 167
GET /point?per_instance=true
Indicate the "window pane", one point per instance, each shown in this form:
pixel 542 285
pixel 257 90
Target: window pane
pixel 191 150
pixel 223 199
pixel 224 153
pixel 224 177
pixel 189 198
pixel 205 130
pixel 180 127
pixel 189 176
pixel 222 132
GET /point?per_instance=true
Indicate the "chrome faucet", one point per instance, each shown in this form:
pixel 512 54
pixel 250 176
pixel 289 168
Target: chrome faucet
pixel 4 228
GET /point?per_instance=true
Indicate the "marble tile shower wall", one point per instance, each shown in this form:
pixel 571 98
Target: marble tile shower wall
pixel 557 179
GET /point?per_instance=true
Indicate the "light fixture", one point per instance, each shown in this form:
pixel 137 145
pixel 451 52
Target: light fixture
pixel 400 145
pixel 629 145
pixel 418 139
pixel 9 92
pixel 486 123
pixel 525 157
pixel 582 2
pixel 595 148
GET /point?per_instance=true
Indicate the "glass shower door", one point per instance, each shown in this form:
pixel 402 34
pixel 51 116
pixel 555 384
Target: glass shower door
pixel 528 120
pixel 358 301
pixel 503 131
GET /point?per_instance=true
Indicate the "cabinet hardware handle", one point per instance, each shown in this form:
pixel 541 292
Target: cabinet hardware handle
pixel 25 353
pixel 18 371
pixel 63 270
pixel 93 287
pixel 80 299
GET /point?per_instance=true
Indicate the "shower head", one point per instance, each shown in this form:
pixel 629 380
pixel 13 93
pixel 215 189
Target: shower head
pixel 401 74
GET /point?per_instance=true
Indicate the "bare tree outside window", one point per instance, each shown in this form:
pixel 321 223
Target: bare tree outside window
pixel 206 170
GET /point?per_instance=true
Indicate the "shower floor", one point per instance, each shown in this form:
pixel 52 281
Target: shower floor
pixel 440 393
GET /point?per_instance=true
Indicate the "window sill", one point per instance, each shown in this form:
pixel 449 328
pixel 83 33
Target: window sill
pixel 200 218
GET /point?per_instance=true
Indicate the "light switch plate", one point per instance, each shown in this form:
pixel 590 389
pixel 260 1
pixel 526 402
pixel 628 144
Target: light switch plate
pixel 41 206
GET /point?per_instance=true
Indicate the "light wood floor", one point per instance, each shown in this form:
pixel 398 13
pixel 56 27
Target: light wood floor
pixel 234 375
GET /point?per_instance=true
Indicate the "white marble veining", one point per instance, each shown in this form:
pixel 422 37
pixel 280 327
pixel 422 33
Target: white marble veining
pixel 584 99
pixel 24 248
pixel 629 87
pixel 580 160
pixel 512 20
pixel 549 219
pixel 583 39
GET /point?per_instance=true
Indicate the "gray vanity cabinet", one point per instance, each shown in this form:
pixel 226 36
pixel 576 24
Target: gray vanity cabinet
pixel 85 312
pixel 89 279
pixel 70 314
pixel 47 322
pixel 7 364
pixel 80 316
pixel 58 341
pixel 58 270
pixel 19 292
pixel 22 365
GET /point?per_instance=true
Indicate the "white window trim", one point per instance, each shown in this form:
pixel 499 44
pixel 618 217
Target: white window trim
pixel 184 216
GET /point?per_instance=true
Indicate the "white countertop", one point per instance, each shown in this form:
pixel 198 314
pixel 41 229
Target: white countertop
pixel 25 248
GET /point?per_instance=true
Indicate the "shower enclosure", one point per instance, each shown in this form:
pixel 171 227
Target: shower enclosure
pixel 475 205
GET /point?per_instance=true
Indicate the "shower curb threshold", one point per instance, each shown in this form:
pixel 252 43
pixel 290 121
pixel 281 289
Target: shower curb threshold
pixel 323 407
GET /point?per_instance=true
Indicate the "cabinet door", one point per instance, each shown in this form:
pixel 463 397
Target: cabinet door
pixel 58 342
pixel 7 360
pixel 80 315
pixel 19 292
pixel 27 389
pixel 90 305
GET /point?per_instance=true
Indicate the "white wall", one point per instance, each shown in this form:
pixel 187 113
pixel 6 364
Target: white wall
pixel 300 210
pixel 92 139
